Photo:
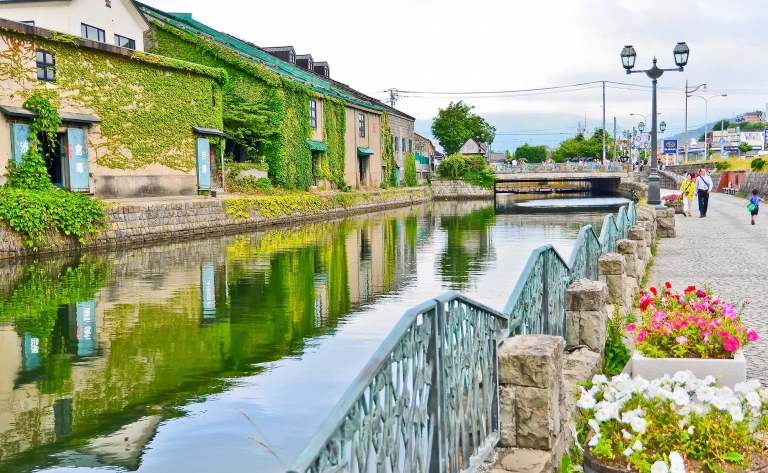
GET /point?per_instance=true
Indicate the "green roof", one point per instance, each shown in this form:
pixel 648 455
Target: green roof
pixel 254 54
pixel 317 145
pixel 364 151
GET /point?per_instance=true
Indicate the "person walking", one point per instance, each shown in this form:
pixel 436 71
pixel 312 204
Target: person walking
pixel 703 188
pixel 689 190
pixel 754 204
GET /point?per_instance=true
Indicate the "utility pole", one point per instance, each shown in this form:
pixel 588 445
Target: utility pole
pixel 614 138
pixel 394 95
pixel 604 122
pixel 685 143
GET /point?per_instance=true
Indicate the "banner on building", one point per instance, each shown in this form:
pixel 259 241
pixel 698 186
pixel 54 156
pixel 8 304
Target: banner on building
pixel 765 139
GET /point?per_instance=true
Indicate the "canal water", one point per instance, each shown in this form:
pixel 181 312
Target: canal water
pixel 226 354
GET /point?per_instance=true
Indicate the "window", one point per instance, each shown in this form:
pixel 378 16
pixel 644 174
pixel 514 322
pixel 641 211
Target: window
pixel 362 125
pixel 405 148
pixel 213 95
pixel 397 142
pixel 46 67
pixel 313 114
pixel 93 33
pixel 124 42
pixel 30 22
pixel 292 57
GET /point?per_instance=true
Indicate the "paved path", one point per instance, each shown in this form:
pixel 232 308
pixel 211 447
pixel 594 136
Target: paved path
pixel 723 251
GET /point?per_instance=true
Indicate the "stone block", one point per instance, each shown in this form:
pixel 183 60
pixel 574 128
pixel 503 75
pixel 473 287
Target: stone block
pixel 538 416
pixel 637 233
pixel 611 263
pixel 584 294
pixel 580 366
pixel 528 461
pixel 626 247
pixel 507 417
pixel 617 285
pixel 666 227
pixel 572 330
pixel 531 360
pixel 593 329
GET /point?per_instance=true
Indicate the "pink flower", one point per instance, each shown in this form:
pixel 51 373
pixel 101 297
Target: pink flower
pixel 631 327
pixel 706 334
pixel 731 344
pixel 656 325
pixel 641 336
pixel 701 293
pixel 723 334
pixel 752 336
pixel 681 340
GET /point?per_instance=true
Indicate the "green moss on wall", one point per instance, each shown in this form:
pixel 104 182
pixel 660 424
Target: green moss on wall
pixel 388 153
pixel 330 165
pixel 147 104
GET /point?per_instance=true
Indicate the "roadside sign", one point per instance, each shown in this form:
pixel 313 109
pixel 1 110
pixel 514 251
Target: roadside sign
pixel 722 140
pixel 670 146
pixel 638 138
pixel 709 141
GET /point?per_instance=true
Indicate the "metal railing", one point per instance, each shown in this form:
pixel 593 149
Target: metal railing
pixel 559 167
pixel 428 400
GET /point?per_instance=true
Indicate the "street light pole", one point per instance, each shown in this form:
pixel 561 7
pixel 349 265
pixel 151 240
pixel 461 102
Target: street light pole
pixel 706 119
pixel 687 94
pixel 628 57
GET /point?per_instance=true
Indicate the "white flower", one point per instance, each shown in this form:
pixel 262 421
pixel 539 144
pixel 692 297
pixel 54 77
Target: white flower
pixel 708 380
pixel 683 377
pixel 595 426
pixel 680 397
pixel 698 409
pixel 753 399
pixel 736 413
pixel 637 446
pixel 690 430
pixel 638 425
pixel 755 384
pixel 602 414
pixel 705 393
pixel 628 452
pixel 676 463
pixel 659 467
pixel 627 435
pixel 593 441
pixel 586 402
pixel 719 402
pixel 600 379
pixel 741 388
pixel 683 422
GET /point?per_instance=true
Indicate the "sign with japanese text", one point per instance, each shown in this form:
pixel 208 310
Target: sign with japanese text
pixel 20 140
pixel 86 328
pixel 203 164
pixel 77 154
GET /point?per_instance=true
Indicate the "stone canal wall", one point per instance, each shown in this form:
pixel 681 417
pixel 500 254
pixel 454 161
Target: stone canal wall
pixel 445 189
pixel 139 223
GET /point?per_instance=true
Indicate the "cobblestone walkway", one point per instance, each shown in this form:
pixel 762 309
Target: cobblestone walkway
pixel 723 251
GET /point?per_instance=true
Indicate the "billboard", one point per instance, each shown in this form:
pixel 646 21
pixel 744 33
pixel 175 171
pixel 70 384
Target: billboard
pixel 670 146
pixel 765 139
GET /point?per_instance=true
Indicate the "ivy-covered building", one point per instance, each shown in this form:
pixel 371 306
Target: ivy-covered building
pixel 309 129
pixel 133 124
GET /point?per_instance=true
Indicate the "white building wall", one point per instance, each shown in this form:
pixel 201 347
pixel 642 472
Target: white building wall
pixel 121 17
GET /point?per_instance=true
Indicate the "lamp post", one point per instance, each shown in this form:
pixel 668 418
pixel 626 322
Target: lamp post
pixel 706 118
pixel 688 92
pixel 628 58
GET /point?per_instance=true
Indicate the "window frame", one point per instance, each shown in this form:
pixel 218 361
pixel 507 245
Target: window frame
pixel 130 41
pixel 361 124
pixel 99 33
pixel 49 69
pixel 313 114
pixel 28 22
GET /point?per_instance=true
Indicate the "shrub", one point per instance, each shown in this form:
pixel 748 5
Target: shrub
pixel 409 178
pixel 472 169
pixel 616 352
pixel 723 166
pixel 757 164
pixel 694 324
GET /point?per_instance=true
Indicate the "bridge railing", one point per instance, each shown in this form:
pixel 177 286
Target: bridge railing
pixel 428 400
pixel 557 167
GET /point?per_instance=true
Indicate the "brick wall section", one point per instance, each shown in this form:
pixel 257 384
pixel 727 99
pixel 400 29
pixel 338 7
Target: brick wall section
pixel 141 223
pixel 684 168
pixel 445 189
pixel 754 180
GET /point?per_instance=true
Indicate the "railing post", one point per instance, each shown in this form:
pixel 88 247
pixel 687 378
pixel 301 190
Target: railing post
pixel 435 407
pixel 545 291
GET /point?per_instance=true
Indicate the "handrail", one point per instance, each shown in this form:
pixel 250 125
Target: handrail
pixel 428 399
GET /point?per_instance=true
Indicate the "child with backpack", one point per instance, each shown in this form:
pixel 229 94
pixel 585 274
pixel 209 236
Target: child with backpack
pixel 753 205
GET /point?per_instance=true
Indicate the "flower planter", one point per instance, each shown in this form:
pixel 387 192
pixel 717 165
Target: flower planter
pixel 730 371
pixel 593 465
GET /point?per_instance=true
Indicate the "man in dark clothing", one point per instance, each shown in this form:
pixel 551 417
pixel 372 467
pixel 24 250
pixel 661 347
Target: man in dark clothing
pixel 703 188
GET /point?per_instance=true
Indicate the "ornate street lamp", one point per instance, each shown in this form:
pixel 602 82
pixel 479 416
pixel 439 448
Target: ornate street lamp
pixel 641 127
pixel 662 126
pixel 628 57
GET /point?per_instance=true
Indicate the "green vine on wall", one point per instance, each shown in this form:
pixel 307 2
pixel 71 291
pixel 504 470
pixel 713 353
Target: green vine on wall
pixel 30 203
pixel 409 173
pixel 147 104
pixel 388 153
pixel 273 110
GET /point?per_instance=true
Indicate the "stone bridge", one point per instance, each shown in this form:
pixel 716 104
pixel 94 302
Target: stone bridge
pixel 604 179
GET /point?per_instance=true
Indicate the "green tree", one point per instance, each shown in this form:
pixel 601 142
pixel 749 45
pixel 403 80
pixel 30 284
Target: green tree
pixel 508 156
pixel 531 154
pixel 745 147
pixel 388 153
pixel 581 147
pixel 456 124
pixel 409 179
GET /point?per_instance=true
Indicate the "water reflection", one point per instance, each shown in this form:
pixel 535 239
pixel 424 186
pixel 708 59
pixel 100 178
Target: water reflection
pixel 140 359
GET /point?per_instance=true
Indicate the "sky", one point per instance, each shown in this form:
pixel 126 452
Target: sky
pixel 438 51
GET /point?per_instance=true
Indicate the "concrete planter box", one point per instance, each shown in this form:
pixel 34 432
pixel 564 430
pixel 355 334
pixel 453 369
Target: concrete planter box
pixel 730 371
pixel 593 465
